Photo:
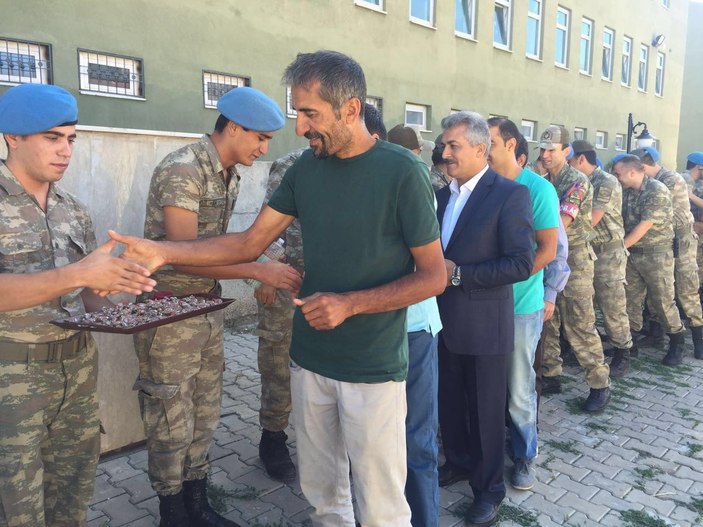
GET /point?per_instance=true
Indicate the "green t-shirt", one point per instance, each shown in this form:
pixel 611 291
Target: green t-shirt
pixel 529 294
pixel 359 217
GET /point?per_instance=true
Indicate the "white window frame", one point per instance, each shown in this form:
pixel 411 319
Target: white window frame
pixel 472 19
pixel 507 6
pixel 221 79
pixel 607 55
pixel 601 142
pixel 626 62
pixel 135 67
pixel 423 110
pixel 660 72
pixel 422 21
pixel 369 4
pixel 290 111
pixel 537 17
pixel 579 134
pixel 620 142
pixel 565 29
pixel 376 102
pixel 528 129
pixel 642 69
pixel 586 44
pixel 37 52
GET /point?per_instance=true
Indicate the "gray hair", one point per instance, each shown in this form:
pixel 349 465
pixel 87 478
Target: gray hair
pixel 341 77
pixel 477 132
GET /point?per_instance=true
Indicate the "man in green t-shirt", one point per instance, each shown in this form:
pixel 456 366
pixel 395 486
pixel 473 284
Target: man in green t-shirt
pixel 371 244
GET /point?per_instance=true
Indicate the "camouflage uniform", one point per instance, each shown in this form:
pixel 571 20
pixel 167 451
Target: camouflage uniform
pixel 574 307
pixel 698 217
pixel 686 281
pixel 49 427
pixel 437 178
pixel 609 273
pixel 180 365
pixel 650 266
pixel 275 322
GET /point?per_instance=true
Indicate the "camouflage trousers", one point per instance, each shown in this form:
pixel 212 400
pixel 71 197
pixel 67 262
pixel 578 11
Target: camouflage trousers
pixel 180 393
pixel 574 312
pixel 609 285
pixel 686 282
pixel 699 259
pixel 274 331
pixel 652 276
pixel 49 440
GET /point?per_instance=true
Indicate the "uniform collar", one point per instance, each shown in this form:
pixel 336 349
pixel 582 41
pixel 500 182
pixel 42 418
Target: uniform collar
pixel 209 146
pixel 13 187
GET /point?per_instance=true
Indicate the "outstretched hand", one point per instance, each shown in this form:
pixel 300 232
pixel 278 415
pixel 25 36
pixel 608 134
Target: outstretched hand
pixel 325 310
pixel 281 276
pixel 104 273
pixel 139 250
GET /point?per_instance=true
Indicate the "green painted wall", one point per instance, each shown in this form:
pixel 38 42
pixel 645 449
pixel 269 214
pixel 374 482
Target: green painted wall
pixel 691 130
pixel 404 62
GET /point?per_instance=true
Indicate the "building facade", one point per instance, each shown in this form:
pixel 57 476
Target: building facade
pixel 691 128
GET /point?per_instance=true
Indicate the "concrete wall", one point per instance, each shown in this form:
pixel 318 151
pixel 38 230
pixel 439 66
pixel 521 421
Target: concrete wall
pixel 691 129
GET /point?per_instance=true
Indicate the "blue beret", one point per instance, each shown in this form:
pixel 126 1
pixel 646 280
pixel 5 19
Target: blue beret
pixel 641 152
pixel 32 108
pixel 599 163
pixel 251 109
pixel 571 152
pixel 617 158
pixel 696 158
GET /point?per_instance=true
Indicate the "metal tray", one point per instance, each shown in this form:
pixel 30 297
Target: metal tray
pixel 99 328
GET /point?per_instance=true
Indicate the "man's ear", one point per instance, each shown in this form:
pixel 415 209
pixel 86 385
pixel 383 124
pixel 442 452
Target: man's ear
pixel 351 110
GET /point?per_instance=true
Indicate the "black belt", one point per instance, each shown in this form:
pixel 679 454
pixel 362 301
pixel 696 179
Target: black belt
pixel 659 249
pixel 600 248
pixel 55 351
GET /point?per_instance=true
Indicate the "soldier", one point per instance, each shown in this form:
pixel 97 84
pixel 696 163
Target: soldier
pixel 438 173
pixel 49 427
pixel 648 219
pixel 575 303
pixel 686 283
pixel 192 195
pixel 609 273
pixel 694 164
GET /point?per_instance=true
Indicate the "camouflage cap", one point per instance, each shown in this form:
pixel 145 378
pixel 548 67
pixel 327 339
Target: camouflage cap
pixel 553 136
pixel 32 108
pixel 251 109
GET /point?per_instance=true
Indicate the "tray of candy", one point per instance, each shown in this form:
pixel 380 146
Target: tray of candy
pixel 139 316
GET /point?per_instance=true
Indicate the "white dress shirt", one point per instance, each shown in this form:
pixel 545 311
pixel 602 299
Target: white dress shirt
pixel 457 200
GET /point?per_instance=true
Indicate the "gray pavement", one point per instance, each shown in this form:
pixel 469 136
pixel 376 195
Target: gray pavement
pixel 639 463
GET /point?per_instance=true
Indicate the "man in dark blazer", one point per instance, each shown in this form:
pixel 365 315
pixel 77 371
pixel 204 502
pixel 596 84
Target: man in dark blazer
pixel 489 244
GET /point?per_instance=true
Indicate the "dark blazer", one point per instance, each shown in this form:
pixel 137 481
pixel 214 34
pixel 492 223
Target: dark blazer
pixel 494 244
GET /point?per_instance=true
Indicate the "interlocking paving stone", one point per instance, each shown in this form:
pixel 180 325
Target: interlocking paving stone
pixel 120 510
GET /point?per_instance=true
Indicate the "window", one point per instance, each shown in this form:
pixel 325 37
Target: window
pixel 626 61
pixel 465 18
pixel 376 5
pixel 422 12
pixel 376 102
pixel 416 115
pixel 215 85
pixel 290 111
pixel 606 71
pixel 24 62
pixel 620 142
pixel 501 24
pixel 562 41
pixel 110 75
pixel 579 134
pixel 534 29
pixel 642 75
pixel 601 140
pixel 665 3
pixel 527 128
pixel 586 47
pixel 659 79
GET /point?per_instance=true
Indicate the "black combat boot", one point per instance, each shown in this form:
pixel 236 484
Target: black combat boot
pixel 551 385
pixel 172 511
pixel 675 355
pixel 274 453
pixel 620 364
pixel 198 508
pixel 597 400
pixel 697 334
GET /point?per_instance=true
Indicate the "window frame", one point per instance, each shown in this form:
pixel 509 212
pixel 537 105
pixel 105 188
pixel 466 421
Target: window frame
pixel 582 131
pixel 538 37
pixel 376 102
pixel 601 141
pixel 368 4
pixel 42 56
pixel 660 72
pixel 620 138
pixel 532 125
pixel 422 109
pixel 290 111
pixel 643 68
pixel 630 42
pixel 508 17
pixel 472 30
pixel 566 28
pixel 431 10
pixel 212 103
pixel 607 48
pixel 128 62
pixel 586 39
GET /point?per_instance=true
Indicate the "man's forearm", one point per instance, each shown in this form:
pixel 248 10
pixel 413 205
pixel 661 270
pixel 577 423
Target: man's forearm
pixel 637 233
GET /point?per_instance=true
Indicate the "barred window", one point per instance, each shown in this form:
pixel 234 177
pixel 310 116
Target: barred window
pixel 216 84
pixel 110 75
pixel 23 62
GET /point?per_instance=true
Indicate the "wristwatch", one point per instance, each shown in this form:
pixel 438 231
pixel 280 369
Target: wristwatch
pixel 456 276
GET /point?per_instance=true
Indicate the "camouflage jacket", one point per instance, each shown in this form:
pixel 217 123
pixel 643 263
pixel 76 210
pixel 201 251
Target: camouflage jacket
pixel 698 191
pixel 683 217
pixel 575 200
pixel 191 178
pixel 438 179
pixel 32 241
pixel 607 196
pixel 651 202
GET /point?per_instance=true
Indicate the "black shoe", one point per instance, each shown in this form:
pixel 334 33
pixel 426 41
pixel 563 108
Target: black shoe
pixel 551 385
pixel 274 453
pixel 481 514
pixel 200 513
pixel 674 356
pixel 620 364
pixel 597 400
pixel 172 511
pixel 448 475
pixel 697 335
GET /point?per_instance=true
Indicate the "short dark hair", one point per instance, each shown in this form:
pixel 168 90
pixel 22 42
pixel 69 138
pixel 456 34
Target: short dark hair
pixel 437 158
pixel 221 123
pixel 341 77
pixel 590 156
pixel 522 149
pixel 508 129
pixel 374 121
pixel 689 164
pixel 632 162
pixel 648 160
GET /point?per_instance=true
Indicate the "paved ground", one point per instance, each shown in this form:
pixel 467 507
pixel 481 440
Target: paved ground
pixel 640 463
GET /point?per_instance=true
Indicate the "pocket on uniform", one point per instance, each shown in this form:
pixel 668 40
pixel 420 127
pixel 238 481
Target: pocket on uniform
pixel 20 249
pixel 211 210
pixel 78 248
pixel 162 411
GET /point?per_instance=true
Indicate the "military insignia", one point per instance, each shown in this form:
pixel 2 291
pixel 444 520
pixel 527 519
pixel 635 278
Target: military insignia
pixel 546 135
